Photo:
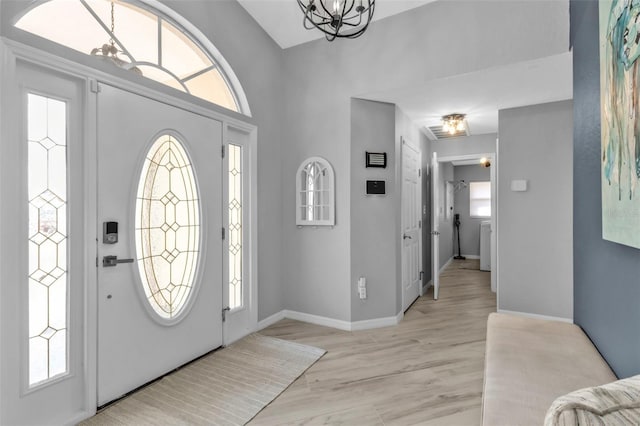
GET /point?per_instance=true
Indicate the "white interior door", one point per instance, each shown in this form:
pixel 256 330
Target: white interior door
pixel 435 224
pixel 411 224
pixel 160 180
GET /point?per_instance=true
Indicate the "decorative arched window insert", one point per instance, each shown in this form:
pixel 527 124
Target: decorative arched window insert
pixel 140 40
pixel 315 193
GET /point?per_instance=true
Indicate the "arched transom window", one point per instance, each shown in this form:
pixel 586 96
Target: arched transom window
pixel 134 39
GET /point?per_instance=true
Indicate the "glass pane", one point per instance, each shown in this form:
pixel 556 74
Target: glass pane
pixel 235 226
pixel 179 54
pixel 480 190
pixel 480 208
pixel 47 233
pixel 211 86
pixel 167 227
pixel 136 28
pixel 51 20
pixel 160 76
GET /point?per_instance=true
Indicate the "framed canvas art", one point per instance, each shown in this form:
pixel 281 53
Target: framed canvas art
pixel 620 119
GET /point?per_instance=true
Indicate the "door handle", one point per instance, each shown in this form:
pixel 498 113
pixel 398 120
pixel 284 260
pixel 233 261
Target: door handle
pixel 405 236
pixel 113 261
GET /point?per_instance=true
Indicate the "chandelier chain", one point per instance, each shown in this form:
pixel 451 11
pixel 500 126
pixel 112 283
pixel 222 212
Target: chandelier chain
pixel 113 25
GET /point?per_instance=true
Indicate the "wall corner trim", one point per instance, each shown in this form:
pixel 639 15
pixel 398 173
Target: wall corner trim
pixel 542 317
pixel 331 322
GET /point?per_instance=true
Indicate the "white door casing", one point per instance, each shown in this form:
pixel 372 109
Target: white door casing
pixel 435 225
pixel 411 224
pixel 134 345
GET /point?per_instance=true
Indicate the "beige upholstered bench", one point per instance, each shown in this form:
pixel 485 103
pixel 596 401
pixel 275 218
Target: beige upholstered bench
pixel 531 362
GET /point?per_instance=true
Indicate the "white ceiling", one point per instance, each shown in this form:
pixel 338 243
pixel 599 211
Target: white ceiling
pixel 481 94
pixel 282 19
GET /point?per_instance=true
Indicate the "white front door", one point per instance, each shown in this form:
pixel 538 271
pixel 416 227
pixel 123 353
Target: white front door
pixel 411 224
pixel 159 200
pixel 435 219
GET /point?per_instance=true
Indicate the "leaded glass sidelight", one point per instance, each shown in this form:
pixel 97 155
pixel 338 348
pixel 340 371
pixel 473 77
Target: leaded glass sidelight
pixel 167 226
pixel 235 226
pixel 47 273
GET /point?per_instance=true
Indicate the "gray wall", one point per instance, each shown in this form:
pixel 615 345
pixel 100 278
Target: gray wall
pixel 445 224
pixel 465 145
pixel 373 217
pixel 469 227
pixel 606 289
pixel 535 235
pixel 321 78
pixel 263 85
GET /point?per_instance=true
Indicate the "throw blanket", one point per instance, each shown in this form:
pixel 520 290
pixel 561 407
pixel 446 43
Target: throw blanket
pixel 616 403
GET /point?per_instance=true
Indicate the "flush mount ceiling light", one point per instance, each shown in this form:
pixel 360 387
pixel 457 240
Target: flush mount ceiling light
pixel 453 123
pixel 109 50
pixel 337 18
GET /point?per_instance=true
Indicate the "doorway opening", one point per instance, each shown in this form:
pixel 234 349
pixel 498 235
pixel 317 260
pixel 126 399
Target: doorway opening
pixel 464 213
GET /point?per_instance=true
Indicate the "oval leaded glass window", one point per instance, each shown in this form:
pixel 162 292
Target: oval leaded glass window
pixel 167 226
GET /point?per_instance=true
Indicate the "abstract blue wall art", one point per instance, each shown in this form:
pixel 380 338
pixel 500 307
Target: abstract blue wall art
pixel 620 114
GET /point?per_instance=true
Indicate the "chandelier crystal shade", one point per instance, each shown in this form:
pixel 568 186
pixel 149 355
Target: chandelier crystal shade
pixel 337 18
pixel 453 123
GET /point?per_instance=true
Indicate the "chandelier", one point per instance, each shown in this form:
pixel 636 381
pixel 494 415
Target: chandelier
pixel 453 123
pixel 109 50
pixel 337 18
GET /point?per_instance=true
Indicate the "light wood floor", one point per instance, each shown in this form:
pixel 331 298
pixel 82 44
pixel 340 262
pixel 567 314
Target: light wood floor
pixel 428 370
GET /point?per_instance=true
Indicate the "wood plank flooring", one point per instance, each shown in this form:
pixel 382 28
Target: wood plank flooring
pixel 428 370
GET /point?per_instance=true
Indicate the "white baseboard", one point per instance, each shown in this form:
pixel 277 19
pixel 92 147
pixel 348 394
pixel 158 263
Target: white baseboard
pixel 318 320
pixel 377 322
pixel 270 320
pixel 471 256
pixel 330 322
pixel 528 315
pixel 447 263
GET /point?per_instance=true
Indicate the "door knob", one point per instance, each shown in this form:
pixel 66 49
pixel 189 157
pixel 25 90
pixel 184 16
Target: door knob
pixel 405 236
pixel 113 261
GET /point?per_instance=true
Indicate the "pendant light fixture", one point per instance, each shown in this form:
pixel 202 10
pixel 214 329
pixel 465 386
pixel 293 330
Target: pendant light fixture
pixel 109 50
pixel 337 18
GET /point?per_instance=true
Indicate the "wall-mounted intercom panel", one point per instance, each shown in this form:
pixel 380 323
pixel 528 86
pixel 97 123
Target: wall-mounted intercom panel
pixel 109 232
pixel 375 187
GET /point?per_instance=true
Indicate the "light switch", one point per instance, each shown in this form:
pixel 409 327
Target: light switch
pixel 519 185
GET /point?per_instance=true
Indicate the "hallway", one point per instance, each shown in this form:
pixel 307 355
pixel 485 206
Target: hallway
pixel 426 370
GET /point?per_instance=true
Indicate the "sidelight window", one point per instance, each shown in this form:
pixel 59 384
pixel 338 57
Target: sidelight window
pixel 48 266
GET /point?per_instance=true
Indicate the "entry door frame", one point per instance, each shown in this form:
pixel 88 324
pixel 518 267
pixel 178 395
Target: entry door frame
pixel 11 52
pixel 492 157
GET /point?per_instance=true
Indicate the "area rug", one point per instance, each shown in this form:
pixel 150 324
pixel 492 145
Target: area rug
pixel 227 387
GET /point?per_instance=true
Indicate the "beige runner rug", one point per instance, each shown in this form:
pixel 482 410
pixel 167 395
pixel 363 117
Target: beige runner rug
pixel 227 387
